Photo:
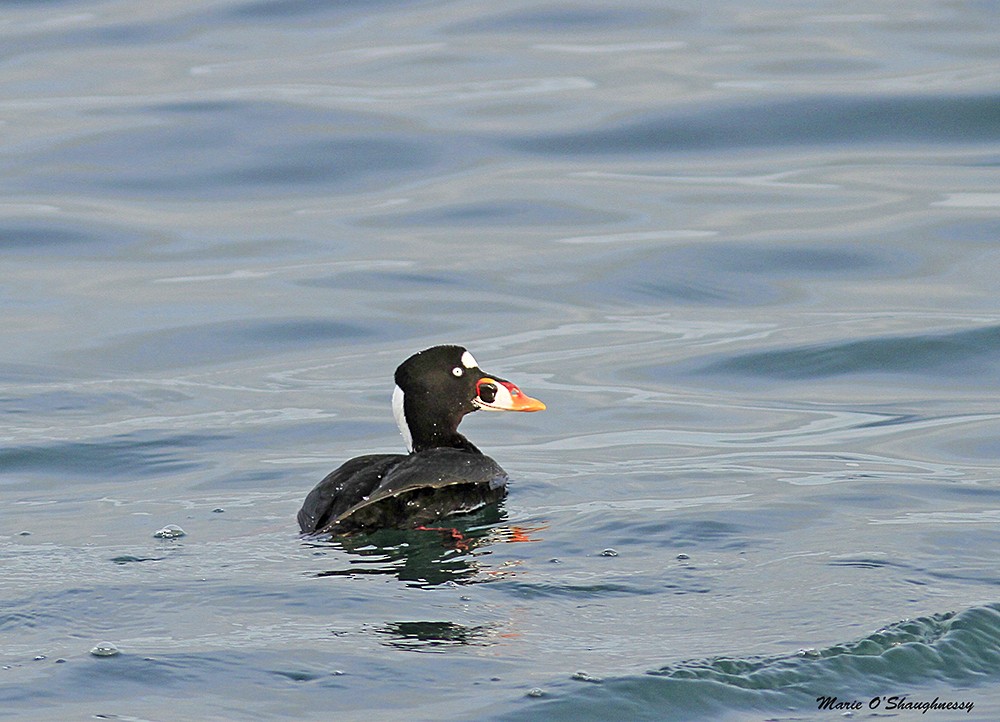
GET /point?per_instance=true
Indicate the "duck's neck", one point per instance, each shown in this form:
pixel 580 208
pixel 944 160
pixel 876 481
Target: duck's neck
pixel 421 433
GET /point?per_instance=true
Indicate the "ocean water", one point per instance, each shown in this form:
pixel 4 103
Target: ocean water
pixel 746 253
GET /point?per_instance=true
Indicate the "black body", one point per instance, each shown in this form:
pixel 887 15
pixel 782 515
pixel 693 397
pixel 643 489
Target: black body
pixel 399 490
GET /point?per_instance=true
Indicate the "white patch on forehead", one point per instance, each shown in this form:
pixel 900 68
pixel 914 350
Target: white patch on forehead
pixel 468 361
pixel 400 414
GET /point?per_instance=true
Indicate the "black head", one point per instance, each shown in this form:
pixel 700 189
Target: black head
pixel 438 386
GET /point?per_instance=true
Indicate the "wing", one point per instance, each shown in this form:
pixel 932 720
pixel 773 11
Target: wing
pixel 436 468
pixel 343 488
pixel 426 486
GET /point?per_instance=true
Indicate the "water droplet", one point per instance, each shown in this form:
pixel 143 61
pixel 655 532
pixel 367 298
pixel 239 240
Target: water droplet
pixel 170 531
pixel 536 692
pixel 105 649
pixel 609 553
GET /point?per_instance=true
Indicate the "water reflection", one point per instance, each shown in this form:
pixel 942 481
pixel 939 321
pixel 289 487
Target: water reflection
pixel 433 636
pixel 429 556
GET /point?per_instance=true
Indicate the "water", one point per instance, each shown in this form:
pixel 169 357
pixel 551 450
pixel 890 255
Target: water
pixel 746 255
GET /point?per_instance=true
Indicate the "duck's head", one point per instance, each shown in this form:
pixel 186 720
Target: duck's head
pixel 437 387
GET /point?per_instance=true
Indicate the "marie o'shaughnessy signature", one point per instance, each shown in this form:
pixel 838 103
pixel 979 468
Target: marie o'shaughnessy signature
pixel 893 703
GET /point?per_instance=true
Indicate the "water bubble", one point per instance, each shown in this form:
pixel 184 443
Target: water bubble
pixel 536 692
pixel 24 533
pixel 39 657
pixel 170 531
pixel 218 510
pixel 682 557
pixel 609 552
pixel 105 649
pixel 584 677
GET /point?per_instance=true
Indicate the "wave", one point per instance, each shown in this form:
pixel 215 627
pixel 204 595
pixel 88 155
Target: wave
pixel 955 651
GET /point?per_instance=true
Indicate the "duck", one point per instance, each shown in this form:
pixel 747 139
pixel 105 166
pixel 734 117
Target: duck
pixel 443 473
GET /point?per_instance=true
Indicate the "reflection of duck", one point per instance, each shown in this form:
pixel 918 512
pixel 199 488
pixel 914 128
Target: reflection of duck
pixel 460 553
pixel 423 557
pixel 443 474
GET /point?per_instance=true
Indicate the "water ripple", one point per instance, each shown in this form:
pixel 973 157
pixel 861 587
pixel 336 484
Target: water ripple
pixel 816 120
pixel 71 237
pixel 513 212
pixel 191 148
pixel 119 457
pixel 199 344
pixel 565 18
pixel 958 353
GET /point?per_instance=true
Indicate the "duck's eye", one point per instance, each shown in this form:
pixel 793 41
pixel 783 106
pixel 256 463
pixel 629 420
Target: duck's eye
pixel 457 371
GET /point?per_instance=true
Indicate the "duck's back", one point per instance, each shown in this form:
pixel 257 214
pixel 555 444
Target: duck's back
pixel 397 490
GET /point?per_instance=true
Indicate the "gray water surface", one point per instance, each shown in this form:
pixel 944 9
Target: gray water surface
pixel 746 253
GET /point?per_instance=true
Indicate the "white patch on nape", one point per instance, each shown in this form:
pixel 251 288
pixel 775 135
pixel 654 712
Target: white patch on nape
pixel 400 415
pixel 468 361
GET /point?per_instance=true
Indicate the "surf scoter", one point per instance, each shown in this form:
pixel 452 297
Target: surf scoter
pixel 443 474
